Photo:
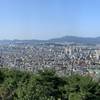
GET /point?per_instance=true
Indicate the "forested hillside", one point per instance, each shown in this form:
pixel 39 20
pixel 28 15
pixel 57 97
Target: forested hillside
pixel 46 85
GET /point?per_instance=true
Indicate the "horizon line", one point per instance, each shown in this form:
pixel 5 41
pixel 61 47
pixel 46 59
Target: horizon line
pixel 50 38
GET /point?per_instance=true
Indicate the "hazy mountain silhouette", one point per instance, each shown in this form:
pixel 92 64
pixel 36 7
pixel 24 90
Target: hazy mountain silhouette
pixel 64 39
pixel 75 39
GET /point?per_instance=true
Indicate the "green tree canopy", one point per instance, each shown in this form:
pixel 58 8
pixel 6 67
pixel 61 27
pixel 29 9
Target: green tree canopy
pixel 46 85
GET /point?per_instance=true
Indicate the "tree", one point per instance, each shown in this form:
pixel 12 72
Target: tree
pixel 46 85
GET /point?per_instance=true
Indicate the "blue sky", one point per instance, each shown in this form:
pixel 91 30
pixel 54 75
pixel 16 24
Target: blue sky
pixel 45 19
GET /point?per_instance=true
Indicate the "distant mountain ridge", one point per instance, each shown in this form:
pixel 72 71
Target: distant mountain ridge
pixel 84 40
pixel 65 39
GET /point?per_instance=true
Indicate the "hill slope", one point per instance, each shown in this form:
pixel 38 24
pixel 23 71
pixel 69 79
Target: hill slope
pixel 77 40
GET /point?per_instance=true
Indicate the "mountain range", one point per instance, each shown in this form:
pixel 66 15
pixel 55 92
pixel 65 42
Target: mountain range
pixel 74 39
pixel 65 39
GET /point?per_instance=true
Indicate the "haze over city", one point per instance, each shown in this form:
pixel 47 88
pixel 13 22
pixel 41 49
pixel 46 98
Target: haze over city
pixel 46 19
pixel 49 49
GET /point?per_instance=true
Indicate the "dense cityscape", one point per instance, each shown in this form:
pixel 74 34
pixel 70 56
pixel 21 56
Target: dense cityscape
pixel 44 70
pixel 49 49
pixel 64 58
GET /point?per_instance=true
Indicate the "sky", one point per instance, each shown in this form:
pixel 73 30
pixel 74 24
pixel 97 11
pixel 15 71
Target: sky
pixel 46 19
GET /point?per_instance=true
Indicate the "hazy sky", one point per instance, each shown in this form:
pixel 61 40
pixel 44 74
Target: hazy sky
pixel 44 19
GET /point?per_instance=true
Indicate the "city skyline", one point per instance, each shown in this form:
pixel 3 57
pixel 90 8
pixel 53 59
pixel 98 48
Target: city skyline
pixel 47 19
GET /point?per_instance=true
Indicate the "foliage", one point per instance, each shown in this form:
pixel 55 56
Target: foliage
pixel 46 85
